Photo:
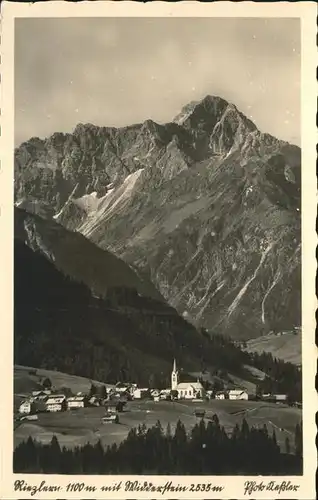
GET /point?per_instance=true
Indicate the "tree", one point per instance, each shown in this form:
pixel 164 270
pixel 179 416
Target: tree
pixel 218 385
pixel 274 438
pixel 159 428
pixel 93 390
pixel 180 435
pixel 31 454
pixel 298 440
pixel 245 430
pixel 215 420
pixel 142 429
pixel 287 445
pixel 209 450
pixel 98 453
pixel 46 383
pixel 102 392
pixel 168 431
pixel 259 391
pixel 174 394
pixel 55 447
pixel 152 381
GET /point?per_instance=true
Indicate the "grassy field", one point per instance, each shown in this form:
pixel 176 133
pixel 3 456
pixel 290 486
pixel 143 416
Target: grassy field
pixel 78 427
pixel 286 347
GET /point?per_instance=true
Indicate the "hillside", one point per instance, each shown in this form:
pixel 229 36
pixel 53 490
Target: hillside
pixel 77 257
pixel 60 326
pixel 28 379
pixel 286 346
pixel 207 206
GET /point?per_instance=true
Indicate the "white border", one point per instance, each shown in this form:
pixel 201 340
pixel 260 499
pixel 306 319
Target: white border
pixel 233 485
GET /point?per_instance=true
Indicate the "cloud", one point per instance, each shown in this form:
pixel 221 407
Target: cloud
pixel 118 71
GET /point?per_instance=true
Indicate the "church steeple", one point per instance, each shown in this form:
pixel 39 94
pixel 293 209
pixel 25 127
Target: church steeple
pixel 174 376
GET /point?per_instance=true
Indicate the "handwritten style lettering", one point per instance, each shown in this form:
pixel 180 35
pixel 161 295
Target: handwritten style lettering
pixel 21 485
pixel 131 486
pixel 251 487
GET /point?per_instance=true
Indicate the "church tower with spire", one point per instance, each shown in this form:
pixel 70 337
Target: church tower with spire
pixel 174 376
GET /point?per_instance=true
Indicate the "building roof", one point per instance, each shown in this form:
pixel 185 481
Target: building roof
pixel 187 385
pixel 76 398
pixel 237 391
pixel 38 393
pixel 41 397
pixel 26 402
pixel 58 399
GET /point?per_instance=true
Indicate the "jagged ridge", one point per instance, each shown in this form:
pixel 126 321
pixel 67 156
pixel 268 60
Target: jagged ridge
pixel 207 205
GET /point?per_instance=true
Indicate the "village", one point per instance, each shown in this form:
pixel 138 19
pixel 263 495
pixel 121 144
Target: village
pixel 114 398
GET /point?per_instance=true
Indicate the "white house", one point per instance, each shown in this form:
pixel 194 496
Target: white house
pixel 165 394
pixel 56 403
pixel 122 390
pixel 220 395
pixel 267 395
pixel 238 394
pixel 131 388
pixel 121 387
pixel 280 397
pixel 154 393
pixel 186 390
pixel 140 393
pixel 26 406
pixel 94 401
pixel 76 402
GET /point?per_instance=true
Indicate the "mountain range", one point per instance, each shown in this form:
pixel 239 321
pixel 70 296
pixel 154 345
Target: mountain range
pixel 202 212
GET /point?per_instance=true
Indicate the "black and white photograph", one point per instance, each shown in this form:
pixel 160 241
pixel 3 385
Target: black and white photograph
pixel 157 248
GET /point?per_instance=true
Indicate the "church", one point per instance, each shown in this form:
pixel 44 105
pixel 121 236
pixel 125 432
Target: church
pixel 185 390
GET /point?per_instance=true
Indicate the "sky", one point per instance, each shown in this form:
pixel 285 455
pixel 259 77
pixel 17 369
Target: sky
pixel 120 71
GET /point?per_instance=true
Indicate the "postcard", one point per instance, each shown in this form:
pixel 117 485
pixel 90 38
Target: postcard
pixel 158 210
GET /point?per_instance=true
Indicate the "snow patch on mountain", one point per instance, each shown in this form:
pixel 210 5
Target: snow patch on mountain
pixel 88 202
pixel 114 199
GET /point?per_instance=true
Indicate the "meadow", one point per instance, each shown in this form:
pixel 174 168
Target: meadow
pixel 78 427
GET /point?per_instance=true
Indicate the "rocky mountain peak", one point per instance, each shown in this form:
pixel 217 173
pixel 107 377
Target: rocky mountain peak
pixel 207 206
pixel 83 128
pixel 209 109
pixel 217 127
